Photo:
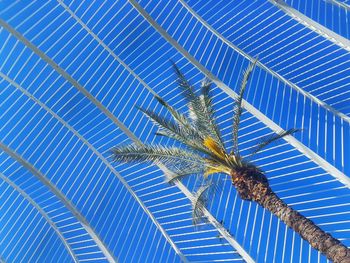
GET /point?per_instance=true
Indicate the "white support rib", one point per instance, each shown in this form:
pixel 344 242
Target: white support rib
pixel 104 160
pixel 263 66
pixel 63 199
pixel 43 213
pixel 269 123
pixel 341 4
pixel 105 46
pixel 313 25
pixel 63 73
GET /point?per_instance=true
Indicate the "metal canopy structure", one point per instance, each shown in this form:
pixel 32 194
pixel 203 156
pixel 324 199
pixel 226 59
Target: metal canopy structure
pixel 71 74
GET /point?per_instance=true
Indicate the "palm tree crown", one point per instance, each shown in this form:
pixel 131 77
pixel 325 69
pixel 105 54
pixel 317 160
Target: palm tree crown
pixel 202 151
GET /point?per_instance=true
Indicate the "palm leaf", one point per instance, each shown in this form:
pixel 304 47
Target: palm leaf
pixel 168 128
pixel 209 111
pixel 160 121
pixel 268 140
pixel 215 170
pixel 155 153
pixel 199 203
pixel 178 117
pixel 238 106
pixel 185 85
pixel 200 107
pixel 213 146
pixel 189 135
pixel 201 199
pixel 181 174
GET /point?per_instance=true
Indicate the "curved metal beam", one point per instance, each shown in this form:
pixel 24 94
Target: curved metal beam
pixel 62 72
pixel 104 160
pixel 42 212
pixel 264 67
pixel 313 25
pixel 268 122
pixel 101 157
pixel 110 51
pixel 340 4
pixel 63 199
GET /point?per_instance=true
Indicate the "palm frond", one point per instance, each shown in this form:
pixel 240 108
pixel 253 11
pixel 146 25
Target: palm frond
pixel 215 170
pixel 238 106
pixel 185 85
pixel 155 153
pixel 268 140
pixel 168 128
pixel 159 121
pixel 200 107
pixel 181 174
pixel 208 108
pixel 205 87
pixel 178 117
pixel 199 203
pixel 234 161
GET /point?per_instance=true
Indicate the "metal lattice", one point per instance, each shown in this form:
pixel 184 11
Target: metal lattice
pixel 72 73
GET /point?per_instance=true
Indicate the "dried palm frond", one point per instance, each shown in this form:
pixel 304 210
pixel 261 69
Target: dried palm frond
pixel 215 170
pixel 213 146
pixel 234 161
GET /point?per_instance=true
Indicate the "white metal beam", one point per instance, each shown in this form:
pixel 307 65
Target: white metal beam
pixel 313 25
pixel 104 160
pixel 264 67
pixel 341 4
pixel 64 200
pixel 43 213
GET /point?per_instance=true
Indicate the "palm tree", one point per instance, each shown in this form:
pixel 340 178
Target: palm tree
pixel 201 151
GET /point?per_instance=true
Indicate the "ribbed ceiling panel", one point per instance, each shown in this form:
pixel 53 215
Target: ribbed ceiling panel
pixel 72 73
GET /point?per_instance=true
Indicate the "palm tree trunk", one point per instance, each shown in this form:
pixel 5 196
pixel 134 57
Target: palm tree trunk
pixel 252 185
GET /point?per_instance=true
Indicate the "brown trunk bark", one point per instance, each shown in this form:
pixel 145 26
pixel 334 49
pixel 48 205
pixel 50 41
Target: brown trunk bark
pixel 252 185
